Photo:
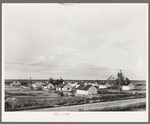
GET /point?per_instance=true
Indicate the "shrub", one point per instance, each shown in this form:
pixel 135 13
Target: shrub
pixel 7 105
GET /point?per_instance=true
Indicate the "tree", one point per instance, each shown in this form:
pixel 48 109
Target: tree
pixel 51 81
pixel 61 80
pixel 127 80
pixel 97 81
pixel 57 82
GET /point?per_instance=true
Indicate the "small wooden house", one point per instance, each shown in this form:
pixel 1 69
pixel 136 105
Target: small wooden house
pixel 60 86
pixel 66 88
pixel 86 90
pixel 128 87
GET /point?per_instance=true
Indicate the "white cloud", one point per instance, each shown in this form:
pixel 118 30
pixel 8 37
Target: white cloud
pixel 104 35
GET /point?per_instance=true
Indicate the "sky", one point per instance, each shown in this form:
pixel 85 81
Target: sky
pixel 75 41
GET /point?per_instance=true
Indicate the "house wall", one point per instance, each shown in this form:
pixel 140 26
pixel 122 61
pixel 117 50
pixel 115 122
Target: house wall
pixel 45 88
pixel 108 85
pixel 131 86
pixel 96 84
pixel 102 86
pixel 92 90
pixel 58 89
pixel 50 86
pixel 38 84
pixel 125 88
pixel 67 88
pixel 82 92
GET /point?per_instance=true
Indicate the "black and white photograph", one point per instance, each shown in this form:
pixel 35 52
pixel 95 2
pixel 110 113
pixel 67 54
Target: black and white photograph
pixel 80 61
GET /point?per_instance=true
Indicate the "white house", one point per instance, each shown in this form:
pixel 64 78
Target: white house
pixel 86 90
pixel 128 87
pixel 102 86
pixel 60 86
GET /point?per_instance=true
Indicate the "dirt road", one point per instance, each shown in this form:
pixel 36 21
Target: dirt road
pixel 92 106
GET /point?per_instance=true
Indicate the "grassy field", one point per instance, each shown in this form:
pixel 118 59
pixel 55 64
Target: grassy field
pixel 121 105
pixel 22 93
pixel 139 106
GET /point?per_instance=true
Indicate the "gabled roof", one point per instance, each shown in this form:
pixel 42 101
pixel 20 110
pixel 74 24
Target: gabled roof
pixel 84 87
pixel 112 78
pixel 108 85
pixel 62 85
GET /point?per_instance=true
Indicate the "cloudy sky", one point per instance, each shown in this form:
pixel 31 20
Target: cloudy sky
pixel 75 41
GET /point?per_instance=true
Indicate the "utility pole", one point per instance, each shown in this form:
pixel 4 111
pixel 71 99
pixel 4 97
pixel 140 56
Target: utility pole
pixel 120 76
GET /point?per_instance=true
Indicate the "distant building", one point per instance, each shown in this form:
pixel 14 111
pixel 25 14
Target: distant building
pixel 60 86
pixel 86 90
pixel 73 84
pixel 15 83
pixel 128 87
pixel 48 87
pixel 95 84
pixel 139 86
pixel 67 88
pixel 37 85
pixel 108 85
pixel 78 84
pixel 135 86
pixel 102 86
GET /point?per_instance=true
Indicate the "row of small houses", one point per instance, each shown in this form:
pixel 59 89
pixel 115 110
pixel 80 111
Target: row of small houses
pixel 80 87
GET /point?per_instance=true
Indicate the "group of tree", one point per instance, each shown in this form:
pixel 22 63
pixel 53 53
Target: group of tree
pixel 116 84
pixel 51 80
pixel 123 81
pixel 55 82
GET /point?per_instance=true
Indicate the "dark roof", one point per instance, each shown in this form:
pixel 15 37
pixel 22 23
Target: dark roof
pixel 79 83
pixel 83 87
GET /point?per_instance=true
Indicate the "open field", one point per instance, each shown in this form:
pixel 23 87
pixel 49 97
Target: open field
pixel 95 106
pixel 21 93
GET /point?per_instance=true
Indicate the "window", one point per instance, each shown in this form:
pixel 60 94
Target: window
pixel 68 88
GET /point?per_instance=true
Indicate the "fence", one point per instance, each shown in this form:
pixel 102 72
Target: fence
pixel 33 104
